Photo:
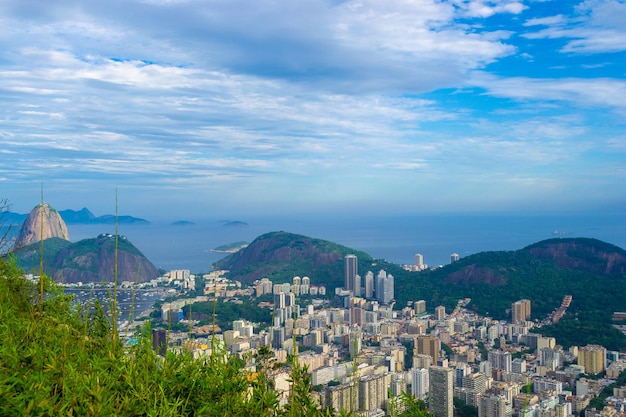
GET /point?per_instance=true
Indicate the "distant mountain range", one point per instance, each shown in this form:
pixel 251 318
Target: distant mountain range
pixel 82 216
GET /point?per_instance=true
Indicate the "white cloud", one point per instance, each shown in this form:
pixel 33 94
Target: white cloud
pixel 193 94
pixel 597 28
pixel 580 92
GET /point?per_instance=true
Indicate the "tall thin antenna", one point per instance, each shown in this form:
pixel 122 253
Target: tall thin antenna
pixel 41 286
pixel 115 272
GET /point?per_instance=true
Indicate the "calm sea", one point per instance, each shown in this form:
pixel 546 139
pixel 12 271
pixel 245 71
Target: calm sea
pixel 394 238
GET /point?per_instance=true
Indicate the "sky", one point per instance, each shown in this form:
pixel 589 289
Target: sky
pixel 189 108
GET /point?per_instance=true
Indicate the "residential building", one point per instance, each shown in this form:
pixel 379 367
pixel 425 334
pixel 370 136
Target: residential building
pixel 441 390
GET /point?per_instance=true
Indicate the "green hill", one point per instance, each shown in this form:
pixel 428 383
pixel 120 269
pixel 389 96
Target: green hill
pixel 89 260
pixel 280 256
pixel 28 256
pixel 588 269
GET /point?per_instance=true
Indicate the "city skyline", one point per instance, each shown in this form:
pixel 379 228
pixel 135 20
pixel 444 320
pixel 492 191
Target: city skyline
pixel 343 106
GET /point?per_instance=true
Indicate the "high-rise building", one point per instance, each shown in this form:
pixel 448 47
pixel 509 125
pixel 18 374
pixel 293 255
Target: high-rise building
pixel 441 390
pixel 420 385
pixel 419 261
pixel 440 313
pixel 422 361
pixel 520 311
pixel 344 397
pixel 593 358
pixel 279 300
pixel 278 337
pixel 459 372
pixel 384 287
pixel 369 285
pixel 305 285
pixel 373 392
pixel 419 307
pixel 476 382
pixel 500 360
pixel 356 285
pixel 550 358
pixel 454 257
pixel 493 406
pixel 295 287
pixel 428 345
pixel 518 366
pixel 159 341
pixel 351 268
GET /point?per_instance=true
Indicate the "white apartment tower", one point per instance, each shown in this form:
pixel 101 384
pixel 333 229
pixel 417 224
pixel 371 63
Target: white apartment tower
pixel 369 285
pixel 421 384
pixel 419 261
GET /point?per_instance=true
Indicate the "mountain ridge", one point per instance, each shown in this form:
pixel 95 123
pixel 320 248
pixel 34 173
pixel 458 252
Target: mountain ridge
pixel 82 216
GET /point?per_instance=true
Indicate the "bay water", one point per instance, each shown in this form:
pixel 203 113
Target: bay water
pixel 396 238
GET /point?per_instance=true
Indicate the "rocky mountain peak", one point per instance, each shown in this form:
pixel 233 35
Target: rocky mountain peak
pixel 42 223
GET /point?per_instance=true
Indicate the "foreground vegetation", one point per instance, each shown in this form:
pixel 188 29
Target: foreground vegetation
pixel 57 359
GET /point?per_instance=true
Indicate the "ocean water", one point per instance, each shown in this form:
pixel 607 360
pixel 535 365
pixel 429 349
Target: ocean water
pixel 394 238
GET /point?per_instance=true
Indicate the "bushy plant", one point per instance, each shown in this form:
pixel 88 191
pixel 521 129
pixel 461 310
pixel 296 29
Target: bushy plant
pixel 60 359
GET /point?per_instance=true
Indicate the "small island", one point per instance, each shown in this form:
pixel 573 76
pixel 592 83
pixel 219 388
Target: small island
pixel 183 223
pixel 233 223
pixel 231 247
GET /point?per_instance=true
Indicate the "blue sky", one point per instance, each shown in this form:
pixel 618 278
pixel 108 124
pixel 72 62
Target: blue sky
pixel 197 107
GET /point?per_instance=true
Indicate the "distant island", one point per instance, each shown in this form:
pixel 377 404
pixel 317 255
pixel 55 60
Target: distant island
pixel 183 223
pixel 231 247
pixel 84 216
pixel 233 223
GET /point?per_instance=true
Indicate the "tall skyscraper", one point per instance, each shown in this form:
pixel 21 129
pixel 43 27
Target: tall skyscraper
pixel 351 268
pixel 384 287
pixel 520 311
pixel 441 389
pixel 369 285
pixel 356 285
pixel 454 257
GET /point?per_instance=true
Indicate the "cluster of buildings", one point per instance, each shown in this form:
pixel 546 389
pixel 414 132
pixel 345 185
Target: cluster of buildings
pixel 380 288
pixel 363 354
pixel 419 265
